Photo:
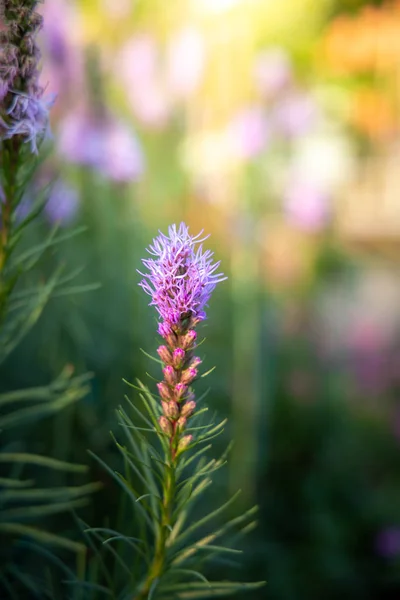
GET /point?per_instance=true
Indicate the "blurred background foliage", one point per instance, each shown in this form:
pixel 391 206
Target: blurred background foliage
pixel 274 125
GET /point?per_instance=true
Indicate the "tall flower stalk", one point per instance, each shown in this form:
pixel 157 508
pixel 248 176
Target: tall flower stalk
pixel 25 503
pixel 180 280
pixel 23 117
pixel 160 554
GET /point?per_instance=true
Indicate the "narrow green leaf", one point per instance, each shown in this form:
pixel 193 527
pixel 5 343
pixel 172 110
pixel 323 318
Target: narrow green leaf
pixel 208 372
pixel 41 461
pixel 33 413
pixel 199 524
pixel 41 536
pixel 153 589
pixel 15 483
pixel 40 510
pixel 190 573
pixel 157 360
pixel 122 482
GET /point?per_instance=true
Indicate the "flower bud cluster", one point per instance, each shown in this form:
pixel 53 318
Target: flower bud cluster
pixel 180 370
pixel 23 112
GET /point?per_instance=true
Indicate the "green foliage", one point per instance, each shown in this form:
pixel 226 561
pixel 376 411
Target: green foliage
pixel 28 498
pixel 163 554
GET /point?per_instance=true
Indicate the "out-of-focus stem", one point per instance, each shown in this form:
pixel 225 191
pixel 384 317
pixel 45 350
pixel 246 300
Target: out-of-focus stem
pixel 11 149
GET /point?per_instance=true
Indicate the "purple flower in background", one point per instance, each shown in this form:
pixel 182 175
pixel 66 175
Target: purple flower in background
pixel 295 114
pixel 272 72
pixel 138 60
pixel 185 62
pixel 64 64
pixel 103 144
pixel 63 204
pixel 145 91
pixel 250 132
pixel 388 542
pixel 80 139
pixel 125 160
pixel 181 277
pixel 307 205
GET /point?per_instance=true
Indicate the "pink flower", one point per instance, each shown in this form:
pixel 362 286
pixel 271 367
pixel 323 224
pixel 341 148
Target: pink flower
pixel 250 133
pixel 295 114
pixel 306 205
pixel 272 72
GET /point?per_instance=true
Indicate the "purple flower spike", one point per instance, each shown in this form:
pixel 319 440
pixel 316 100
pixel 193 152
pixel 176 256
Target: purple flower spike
pixel 180 280
pixel 181 277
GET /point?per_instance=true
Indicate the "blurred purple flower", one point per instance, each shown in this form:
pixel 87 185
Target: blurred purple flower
pixel 23 209
pixel 272 72
pixel 105 145
pixel 295 114
pixel 250 132
pixel 306 205
pixel 63 67
pixel 139 72
pixel 125 157
pixel 138 59
pixel 63 204
pixel 388 542
pixel 185 62
pixel 150 104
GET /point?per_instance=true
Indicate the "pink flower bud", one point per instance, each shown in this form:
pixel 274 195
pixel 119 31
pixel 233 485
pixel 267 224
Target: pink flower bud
pixel 188 409
pixel 181 424
pixel 170 375
pixel 189 339
pixel 188 375
pixel 165 330
pixel 180 390
pixel 195 362
pixel 184 443
pixel 164 391
pixel 171 409
pixel 165 425
pixel 164 354
pixel 178 358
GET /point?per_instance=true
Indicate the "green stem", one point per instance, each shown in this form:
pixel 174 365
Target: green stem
pixel 11 150
pixel 157 566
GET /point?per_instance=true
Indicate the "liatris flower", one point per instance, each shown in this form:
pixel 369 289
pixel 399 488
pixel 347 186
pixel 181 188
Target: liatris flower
pixel 23 110
pixel 180 281
pixel 103 143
